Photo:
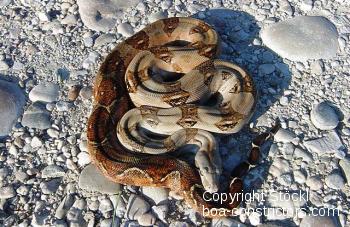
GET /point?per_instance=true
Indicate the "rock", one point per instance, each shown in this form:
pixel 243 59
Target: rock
pixel 147 219
pixel 36 142
pixel 302 38
pixel 105 205
pixel 104 39
pixel 161 211
pixel 335 181
pixel 52 171
pixel 91 179
pixel 73 93
pixel 329 143
pixel 86 92
pixel 51 186
pixel 83 158
pixel 266 68
pixel 109 222
pixel 4 3
pixel 324 117
pixel 285 136
pixel 11 106
pixel 319 221
pixel 299 177
pixel 158 195
pixel 157 16
pixel 225 222
pixel 53 133
pixel 7 192
pixel 275 199
pixel 304 155
pixel 4 66
pixel 345 166
pixel 36 116
pixel 4 172
pixel 137 206
pixel 101 15
pixel 69 19
pixel 314 183
pixel 125 29
pixel 255 218
pixel 317 67
pixel 45 92
pixel 64 206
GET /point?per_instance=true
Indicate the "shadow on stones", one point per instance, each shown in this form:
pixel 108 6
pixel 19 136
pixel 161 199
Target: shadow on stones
pixel 240 44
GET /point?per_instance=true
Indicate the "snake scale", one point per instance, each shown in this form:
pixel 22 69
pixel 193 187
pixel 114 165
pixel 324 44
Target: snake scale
pixel 134 100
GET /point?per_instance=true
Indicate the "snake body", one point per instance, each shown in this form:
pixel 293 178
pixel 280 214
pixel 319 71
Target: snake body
pixel 175 109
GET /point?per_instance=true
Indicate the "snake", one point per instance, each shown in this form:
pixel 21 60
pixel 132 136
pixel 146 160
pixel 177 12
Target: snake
pixel 159 90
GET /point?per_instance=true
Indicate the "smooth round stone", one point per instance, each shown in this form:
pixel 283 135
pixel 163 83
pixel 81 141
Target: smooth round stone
pixel 335 181
pixel 158 195
pixel 91 179
pixel 36 116
pixel 157 16
pixel 11 106
pixel 324 117
pixel 52 171
pixel 101 15
pixel 314 183
pixel 125 29
pixel 137 207
pixel 7 192
pixel 319 221
pixel 45 92
pixel 302 38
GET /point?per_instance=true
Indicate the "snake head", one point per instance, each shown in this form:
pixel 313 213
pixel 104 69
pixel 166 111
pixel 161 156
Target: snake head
pixel 209 170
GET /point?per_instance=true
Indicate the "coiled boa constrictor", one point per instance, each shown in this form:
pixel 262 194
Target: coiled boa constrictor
pixel 212 95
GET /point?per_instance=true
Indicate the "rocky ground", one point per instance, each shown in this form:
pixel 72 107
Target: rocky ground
pixel 51 49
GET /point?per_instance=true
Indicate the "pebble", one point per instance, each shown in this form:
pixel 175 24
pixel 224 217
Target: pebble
pixel 52 171
pixel 36 116
pixel 69 19
pixel 302 38
pixel 105 205
pixel 319 221
pixel 157 16
pixel 11 106
pixel 45 92
pixel 324 117
pixel 64 206
pixel 255 218
pixel 345 166
pixel 104 39
pixel 285 136
pixel 304 155
pixel 317 67
pixel 4 66
pixel 91 179
pixel 221 222
pixel 299 177
pixel 86 92
pixel 266 68
pixel 147 219
pixel 314 182
pixel 53 133
pixel 4 172
pixel 136 207
pixel 161 211
pixel 73 92
pixel 83 158
pixel 335 181
pixel 125 29
pixel 7 192
pixel 36 142
pixel 329 143
pixel 51 186
pixel 158 195
pixel 284 101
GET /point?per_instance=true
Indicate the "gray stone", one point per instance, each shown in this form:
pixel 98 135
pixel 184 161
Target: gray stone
pixel 285 136
pixel 106 205
pixel 317 67
pixel 11 106
pixel 147 219
pixel 125 29
pixel 319 221
pixel 4 3
pixel 36 116
pixel 157 16
pixel 335 181
pixel 101 15
pixel 52 171
pixel 137 206
pixel 104 39
pixel 91 179
pixel 7 192
pixel 304 155
pixel 345 166
pixel 324 117
pixel 329 143
pixel 64 206
pixel 45 92
pixel 4 66
pixel 86 92
pixel 158 195
pixel 83 158
pixel 302 38
pixel 51 186
pixel 314 183
pixel 226 222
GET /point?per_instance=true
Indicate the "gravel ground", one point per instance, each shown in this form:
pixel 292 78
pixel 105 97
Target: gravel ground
pixel 297 52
